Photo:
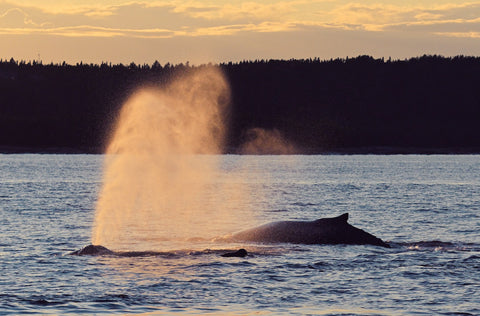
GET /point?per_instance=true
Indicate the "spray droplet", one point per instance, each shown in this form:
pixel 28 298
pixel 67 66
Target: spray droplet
pixel 161 165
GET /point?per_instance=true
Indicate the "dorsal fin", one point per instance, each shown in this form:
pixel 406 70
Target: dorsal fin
pixel 339 219
pixel 342 218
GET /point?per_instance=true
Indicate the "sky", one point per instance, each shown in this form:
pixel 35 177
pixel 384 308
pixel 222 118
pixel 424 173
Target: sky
pixel 194 31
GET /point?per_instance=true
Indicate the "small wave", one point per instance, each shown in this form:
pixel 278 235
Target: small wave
pixel 349 187
pixel 276 211
pixel 252 252
pixel 97 250
pixel 458 313
pixel 304 204
pixel 43 302
pixel 472 258
pixel 437 245
pixel 167 254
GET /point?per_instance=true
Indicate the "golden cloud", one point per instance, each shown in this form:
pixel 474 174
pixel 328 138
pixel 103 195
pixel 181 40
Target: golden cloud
pixel 237 28
pixel 166 19
pixel 90 31
pixel 244 10
pixel 378 17
pixel 459 34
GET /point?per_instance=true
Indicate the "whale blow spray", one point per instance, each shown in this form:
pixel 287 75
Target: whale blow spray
pixel 159 181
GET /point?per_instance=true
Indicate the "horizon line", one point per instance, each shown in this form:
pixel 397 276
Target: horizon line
pixel 260 60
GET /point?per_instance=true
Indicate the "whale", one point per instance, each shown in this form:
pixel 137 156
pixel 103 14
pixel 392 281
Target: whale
pixel 92 250
pixel 333 231
pixel 240 253
pixel 99 250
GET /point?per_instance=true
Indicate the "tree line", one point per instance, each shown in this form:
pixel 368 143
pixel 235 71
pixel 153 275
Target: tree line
pixel 361 104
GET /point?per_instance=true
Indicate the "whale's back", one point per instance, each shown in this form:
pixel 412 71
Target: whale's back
pixel 334 230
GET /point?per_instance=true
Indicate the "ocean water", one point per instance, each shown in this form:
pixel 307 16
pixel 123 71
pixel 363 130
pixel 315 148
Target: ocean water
pixel 426 207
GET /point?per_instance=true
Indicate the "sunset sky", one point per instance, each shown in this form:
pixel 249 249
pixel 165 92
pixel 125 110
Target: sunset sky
pixel 197 31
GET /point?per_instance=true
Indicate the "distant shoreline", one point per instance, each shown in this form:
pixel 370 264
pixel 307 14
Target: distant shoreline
pixel 424 105
pixel 49 150
pixel 232 151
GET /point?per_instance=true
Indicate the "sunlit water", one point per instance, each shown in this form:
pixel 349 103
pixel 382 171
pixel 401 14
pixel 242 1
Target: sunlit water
pixel 428 207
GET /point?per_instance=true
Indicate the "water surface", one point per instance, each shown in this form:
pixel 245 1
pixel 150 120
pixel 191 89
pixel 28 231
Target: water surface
pixel 427 207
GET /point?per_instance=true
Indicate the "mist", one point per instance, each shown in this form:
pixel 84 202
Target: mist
pixel 162 166
pixel 261 141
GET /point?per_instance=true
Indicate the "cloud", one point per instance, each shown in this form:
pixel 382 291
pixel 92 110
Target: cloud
pixel 265 27
pixel 147 20
pixel 459 25
pixel 304 42
pixel 17 18
pixel 96 31
pixel 459 34
pixel 193 18
pixel 245 11
pixel 13 17
pixel 90 31
pixel 381 17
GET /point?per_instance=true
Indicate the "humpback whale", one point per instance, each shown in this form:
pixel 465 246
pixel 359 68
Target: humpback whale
pixel 240 253
pixel 334 230
pixel 97 250
pixel 92 250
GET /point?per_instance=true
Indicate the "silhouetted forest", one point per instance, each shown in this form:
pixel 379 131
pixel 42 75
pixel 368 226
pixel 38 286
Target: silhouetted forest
pixel 362 104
